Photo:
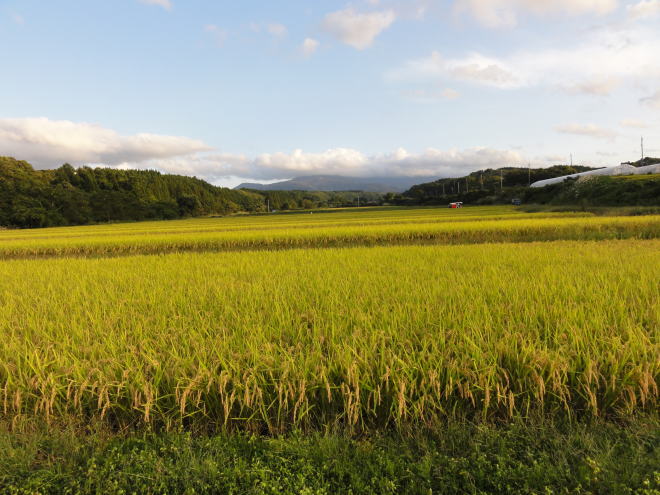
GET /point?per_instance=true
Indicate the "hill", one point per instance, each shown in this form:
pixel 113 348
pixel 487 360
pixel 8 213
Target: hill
pixel 490 180
pixel 648 160
pixel 504 184
pixel 338 183
pixel 621 190
pixel 69 196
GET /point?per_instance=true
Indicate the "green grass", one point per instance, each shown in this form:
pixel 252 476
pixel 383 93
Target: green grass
pixel 597 458
pixel 636 178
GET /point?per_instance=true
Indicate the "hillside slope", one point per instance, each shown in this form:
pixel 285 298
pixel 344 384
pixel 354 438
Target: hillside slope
pixel 490 180
pixel 502 185
pixel 68 196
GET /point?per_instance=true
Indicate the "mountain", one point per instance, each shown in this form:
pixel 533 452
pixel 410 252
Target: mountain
pixel 340 183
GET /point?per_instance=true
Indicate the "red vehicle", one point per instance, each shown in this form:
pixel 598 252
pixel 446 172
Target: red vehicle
pixel 458 204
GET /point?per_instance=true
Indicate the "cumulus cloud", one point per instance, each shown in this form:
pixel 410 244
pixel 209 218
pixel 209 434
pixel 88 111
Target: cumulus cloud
pixel 602 61
pixel 47 143
pixel 474 68
pixel 644 9
pixel 166 4
pixel 309 47
pixel 590 130
pixel 652 101
pixel 357 29
pixel 505 13
pixel 217 167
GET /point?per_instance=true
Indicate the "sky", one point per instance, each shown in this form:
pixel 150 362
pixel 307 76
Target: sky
pixel 274 89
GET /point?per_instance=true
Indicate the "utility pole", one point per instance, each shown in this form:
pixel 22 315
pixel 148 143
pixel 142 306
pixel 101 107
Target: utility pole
pixel 458 184
pixel 502 180
pixel 268 205
pixel 467 185
pixel 443 189
pixel 358 200
pixel 642 144
pixel 481 180
pixel 571 159
pixel 529 174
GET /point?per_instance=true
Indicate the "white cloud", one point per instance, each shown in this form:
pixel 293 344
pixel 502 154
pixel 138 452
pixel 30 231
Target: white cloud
pixel 276 29
pixel 590 130
pixel 636 124
pixel 45 143
pixel 357 29
pixel 505 13
pixel 309 47
pixel 166 4
pixel 473 68
pixel 652 101
pixel 340 161
pixel 604 60
pixel 483 70
pixel 644 9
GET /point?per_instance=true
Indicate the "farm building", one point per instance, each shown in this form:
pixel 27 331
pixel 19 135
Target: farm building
pixel 623 169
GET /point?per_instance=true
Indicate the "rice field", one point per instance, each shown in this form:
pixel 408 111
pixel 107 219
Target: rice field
pixel 344 228
pixel 379 319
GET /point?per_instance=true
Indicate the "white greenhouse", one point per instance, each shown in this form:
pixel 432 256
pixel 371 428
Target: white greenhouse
pixel 623 169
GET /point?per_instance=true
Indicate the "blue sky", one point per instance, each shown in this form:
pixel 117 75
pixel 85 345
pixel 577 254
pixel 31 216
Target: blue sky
pixel 275 89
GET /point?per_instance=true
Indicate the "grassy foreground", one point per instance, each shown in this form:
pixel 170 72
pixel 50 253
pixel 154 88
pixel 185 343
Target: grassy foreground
pixel 599 458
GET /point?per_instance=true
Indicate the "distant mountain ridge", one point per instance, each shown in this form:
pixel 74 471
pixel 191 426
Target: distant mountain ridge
pixel 340 183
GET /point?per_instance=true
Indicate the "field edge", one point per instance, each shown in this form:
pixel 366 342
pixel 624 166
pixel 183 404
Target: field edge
pixel 594 457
